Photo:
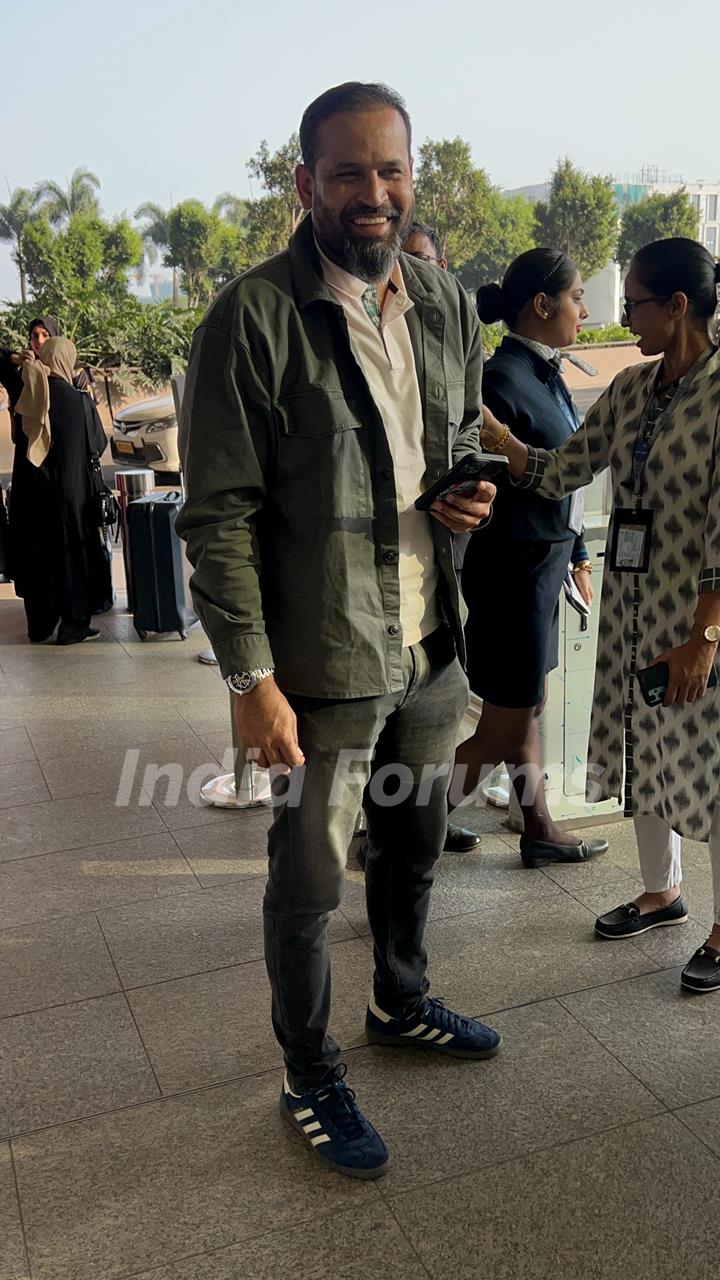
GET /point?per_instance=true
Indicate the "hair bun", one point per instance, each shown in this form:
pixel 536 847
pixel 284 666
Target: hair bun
pixel 490 303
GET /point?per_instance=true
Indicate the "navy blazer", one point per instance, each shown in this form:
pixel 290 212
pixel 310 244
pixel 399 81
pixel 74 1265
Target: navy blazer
pixel 514 389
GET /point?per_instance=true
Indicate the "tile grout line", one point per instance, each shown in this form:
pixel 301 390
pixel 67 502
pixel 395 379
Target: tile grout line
pixel 528 1153
pixel 279 1232
pixel 678 1117
pixel 607 1048
pixel 260 1074
pixel 144 1047
pixel 204 888
pixel 21 1216
pixel 424 1270
pixel 89 911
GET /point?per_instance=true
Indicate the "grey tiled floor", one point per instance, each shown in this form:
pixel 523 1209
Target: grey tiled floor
pixel 139 1134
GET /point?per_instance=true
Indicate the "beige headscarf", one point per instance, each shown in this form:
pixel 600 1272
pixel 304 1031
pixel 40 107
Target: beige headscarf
pixel 58 356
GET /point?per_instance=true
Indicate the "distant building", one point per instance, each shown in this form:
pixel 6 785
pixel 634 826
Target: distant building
pixel 705 199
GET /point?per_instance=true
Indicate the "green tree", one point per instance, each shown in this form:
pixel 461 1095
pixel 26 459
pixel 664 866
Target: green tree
pixel 656 217
pixel 453 197
pixel 232 209
pixel 273 217
pixel 579 217
pixel 189 228
pixel 68 269
pixel 62 203
pixel 156 237
pixel 510 230
pixel 15 216
pixel 228 252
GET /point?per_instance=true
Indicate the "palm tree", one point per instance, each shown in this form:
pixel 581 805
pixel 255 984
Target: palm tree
pixel 232 208
pixel 60 203
pixel 155 236
pixel 14 217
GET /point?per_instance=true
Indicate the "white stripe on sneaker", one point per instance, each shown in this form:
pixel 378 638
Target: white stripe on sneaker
pixel 310 1128
pixel 379 1013
pixel 304 1115
pixel 444 1039
pixel 321 1137
pixel 416 1031
pixel 432 1035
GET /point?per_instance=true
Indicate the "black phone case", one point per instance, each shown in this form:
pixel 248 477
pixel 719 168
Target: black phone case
pixel 476 466
pixel 653 682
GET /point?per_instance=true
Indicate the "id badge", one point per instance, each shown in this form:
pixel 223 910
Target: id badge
pixel 630 550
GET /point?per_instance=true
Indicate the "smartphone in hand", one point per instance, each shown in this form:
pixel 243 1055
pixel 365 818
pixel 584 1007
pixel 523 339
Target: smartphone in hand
pixel 463 477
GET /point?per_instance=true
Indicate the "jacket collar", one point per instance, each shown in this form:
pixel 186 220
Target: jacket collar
pixel 310 285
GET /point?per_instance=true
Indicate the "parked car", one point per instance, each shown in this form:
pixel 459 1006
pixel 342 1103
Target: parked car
pixel 146 435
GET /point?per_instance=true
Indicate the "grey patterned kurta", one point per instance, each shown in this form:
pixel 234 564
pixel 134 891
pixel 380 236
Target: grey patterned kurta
pixel 666 761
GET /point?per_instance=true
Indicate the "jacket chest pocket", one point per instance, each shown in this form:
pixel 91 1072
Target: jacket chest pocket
pixel 324 463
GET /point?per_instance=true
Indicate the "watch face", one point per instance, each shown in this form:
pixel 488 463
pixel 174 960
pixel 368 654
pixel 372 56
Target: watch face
pixel 712 633
pixel 242 682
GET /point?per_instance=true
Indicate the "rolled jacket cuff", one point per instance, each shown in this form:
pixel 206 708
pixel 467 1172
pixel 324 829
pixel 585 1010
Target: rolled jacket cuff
pixel 242 653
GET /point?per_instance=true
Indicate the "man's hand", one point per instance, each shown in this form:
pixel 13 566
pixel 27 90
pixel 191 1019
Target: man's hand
pixel 463 514
pixel 689 667
pixel 267 726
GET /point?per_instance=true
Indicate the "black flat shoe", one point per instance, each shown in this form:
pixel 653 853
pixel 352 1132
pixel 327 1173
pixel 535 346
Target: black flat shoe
pixel 626 921
pixel 538 853
pixel 702 971
pixel 460 839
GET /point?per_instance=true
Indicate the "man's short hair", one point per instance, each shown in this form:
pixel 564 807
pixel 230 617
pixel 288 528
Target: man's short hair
pixel 420 229
pixel 351 96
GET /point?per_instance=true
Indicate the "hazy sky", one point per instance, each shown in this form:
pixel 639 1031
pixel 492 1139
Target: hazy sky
pixel 165 99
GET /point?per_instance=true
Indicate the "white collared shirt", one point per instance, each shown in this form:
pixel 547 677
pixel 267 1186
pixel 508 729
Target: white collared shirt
pixel 388 362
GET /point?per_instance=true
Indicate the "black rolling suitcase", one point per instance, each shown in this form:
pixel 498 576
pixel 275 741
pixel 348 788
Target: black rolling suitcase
pixel 158 567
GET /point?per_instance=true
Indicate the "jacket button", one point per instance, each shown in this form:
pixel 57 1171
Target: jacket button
pixel 390 557
pixel 386 473
pixel 394 629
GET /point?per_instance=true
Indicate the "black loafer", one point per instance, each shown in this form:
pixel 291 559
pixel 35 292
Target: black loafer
pixel 626 921
pixel 538 853
pixel 702 972
pixel 460 839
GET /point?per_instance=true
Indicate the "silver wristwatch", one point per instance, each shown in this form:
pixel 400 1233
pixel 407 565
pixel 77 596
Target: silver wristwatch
pixel 242 682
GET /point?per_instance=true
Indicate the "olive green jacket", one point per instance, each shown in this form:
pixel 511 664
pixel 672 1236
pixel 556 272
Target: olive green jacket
pixel 291 513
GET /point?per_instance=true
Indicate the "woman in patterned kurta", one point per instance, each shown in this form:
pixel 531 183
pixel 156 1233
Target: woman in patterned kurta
pixel 657 428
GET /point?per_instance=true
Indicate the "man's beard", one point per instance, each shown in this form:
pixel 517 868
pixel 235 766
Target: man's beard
pixel 368 258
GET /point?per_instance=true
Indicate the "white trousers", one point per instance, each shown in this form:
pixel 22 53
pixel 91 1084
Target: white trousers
pixel 660 849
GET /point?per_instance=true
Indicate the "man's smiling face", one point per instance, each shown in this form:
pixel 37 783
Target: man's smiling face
pixel 360 190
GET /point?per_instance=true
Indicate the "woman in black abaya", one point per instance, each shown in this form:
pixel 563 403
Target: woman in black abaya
pixel 60 566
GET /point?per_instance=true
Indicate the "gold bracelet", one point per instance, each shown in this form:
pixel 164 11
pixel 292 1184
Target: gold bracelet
pixel 585 566
pixel 501 441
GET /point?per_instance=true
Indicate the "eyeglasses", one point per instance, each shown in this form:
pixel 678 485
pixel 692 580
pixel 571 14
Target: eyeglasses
pixel 424 257
pixel 629 304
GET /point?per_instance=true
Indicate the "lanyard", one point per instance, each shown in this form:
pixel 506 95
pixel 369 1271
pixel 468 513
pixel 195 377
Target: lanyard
pixel 645 439
pixel 563 398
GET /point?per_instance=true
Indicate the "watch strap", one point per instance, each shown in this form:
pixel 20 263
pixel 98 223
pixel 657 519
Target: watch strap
pixel 242 682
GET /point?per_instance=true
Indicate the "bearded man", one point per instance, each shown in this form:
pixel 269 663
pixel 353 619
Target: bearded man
pixel 326 388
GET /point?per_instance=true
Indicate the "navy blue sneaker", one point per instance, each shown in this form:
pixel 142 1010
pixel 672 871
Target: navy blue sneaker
pixel 333 1126
pixel 432 1026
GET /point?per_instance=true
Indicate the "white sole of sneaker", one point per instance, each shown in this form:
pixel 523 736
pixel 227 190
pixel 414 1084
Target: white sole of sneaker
pixel 411 1042
pixel 697 991
pixel 366 1175
pixel 623 937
